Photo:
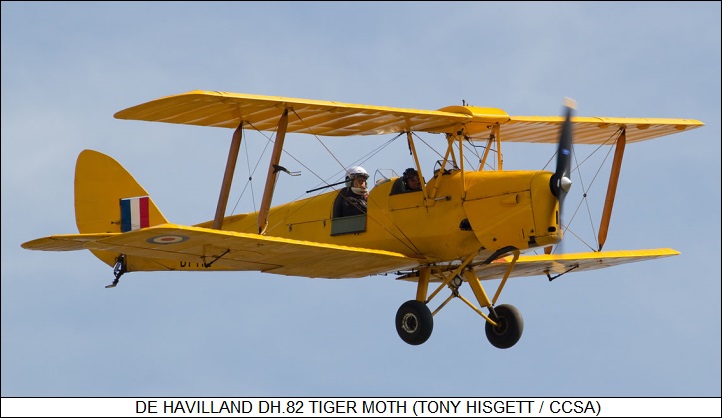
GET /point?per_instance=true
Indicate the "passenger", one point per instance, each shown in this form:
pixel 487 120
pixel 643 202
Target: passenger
pixel 351 200
pixel 411 180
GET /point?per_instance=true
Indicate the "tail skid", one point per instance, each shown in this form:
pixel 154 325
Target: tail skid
pixel 119 269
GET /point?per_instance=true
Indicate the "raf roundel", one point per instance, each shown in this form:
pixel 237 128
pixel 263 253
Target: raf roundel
pixel 167 239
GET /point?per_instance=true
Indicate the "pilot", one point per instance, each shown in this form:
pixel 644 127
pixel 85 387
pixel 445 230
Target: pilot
pixel 351 200
pixel 411 180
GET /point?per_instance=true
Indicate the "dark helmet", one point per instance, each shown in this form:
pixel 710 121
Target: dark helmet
pixel 410 173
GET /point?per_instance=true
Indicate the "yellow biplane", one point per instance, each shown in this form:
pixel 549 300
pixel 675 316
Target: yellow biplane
pixel 464 224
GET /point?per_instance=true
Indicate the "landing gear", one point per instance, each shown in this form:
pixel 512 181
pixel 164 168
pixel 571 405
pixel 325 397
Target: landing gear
pixel 509 328
pixel 414 322
pixel 504 324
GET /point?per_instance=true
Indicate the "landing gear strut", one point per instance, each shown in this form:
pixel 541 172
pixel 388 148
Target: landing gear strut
pixel 504 324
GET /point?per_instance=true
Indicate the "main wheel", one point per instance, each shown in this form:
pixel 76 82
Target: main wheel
pixel 510 327
pixel 414 322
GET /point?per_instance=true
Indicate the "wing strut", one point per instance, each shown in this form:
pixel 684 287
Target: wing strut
pixel 499 158
pixel 410 140
pixel 228 177
pixel 272 174
pixel 612 188
pixel 449 152
pixel 482 163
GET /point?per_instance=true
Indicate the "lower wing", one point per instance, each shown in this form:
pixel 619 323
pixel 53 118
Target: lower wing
pixel 557 264
pixel 174 247
pixel 554 265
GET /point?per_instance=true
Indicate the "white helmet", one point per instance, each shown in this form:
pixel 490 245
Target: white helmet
pixel 356 171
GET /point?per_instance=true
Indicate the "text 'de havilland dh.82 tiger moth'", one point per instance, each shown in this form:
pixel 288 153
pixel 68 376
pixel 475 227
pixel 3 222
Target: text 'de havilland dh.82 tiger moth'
pixel 460 222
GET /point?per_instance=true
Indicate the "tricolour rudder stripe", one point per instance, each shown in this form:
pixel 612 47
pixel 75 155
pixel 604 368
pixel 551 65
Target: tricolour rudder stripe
pixel 134 213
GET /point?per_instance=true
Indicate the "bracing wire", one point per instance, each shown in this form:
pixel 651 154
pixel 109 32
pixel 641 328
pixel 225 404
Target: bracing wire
pixel 249 182
pixel 491 149
pixel 585 190
pixel 369 155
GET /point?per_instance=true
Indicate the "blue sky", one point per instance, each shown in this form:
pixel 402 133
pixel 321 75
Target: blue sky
pixel 643 329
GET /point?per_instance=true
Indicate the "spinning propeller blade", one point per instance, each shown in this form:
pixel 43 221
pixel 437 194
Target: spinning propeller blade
pixel 561 181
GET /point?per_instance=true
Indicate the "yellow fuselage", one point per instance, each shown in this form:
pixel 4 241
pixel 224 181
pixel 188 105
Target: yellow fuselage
pixel 477 212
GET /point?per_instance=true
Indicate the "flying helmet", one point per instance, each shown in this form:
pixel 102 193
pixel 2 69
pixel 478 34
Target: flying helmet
pixel 410 173
pixel 356 171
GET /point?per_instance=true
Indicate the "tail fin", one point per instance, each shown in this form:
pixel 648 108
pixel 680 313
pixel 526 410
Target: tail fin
pixel 102 187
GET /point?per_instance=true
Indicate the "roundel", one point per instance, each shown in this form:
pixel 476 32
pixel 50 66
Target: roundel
pixel 167 239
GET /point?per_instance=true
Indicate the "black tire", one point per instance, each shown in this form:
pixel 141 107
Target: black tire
pixel 511 326
pixel 414 322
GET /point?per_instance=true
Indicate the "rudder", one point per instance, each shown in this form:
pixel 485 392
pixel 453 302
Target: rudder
pixel 101 183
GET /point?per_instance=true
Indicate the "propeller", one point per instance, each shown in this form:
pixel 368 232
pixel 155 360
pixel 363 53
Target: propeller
pixel 561 182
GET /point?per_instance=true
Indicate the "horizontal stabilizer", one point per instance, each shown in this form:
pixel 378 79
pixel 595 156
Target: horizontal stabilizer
pixel 69 242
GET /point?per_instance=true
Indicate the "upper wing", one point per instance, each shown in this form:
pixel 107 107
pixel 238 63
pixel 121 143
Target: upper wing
pixel 318 117
pixel 536 265
pixel 235 251
pixel 586 130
